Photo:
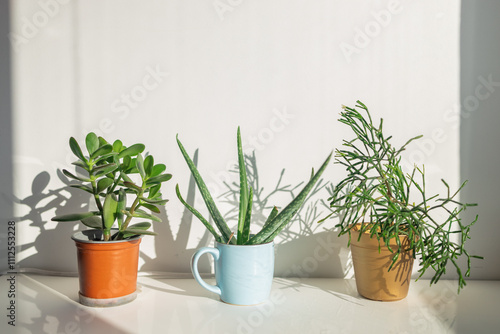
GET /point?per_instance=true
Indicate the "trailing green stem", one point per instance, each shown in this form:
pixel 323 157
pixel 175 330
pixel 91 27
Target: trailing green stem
pixel 377 194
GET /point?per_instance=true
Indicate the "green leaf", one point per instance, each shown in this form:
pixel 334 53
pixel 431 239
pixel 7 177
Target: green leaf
pixel 82 187
pixel 79 178
pixel 102 141
pixel 132 169
pixel 140 226
pixel 279 222
pixel 139 164
pixel 155 201
pixel 103 184
pixel 117 146
pixel 92 222
pixel 137 229
pixel 243 190
pixel 75 148
pixel 104 169
pixel 274 213
pixel 122 205
pixel 154 190
pixel 125 177
pixel 145 215
pixel 158 179
pixel 132 150
pixel 109 210
pixel 148 165
pixel 158 169
pixel 198 215
pixel 103 157
pixel 104 151
pixel 92 142
pixel 212 208
pixel 151 207
pixel 80 164
pixel 129 232
pixel 127 161
pixel 74 216
pixel 246 226
pixel 133 186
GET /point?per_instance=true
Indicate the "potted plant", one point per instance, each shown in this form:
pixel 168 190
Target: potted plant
pixel 108 253
pixel 244 262
pixel 389 217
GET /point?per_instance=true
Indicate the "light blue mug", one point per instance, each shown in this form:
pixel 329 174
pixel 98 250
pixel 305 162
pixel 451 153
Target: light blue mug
pixel 243 273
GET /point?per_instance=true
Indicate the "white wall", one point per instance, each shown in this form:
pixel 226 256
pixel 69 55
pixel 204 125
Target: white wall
pixel 278 69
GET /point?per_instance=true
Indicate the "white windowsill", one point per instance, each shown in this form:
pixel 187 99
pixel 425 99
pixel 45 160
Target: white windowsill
pixel 47 304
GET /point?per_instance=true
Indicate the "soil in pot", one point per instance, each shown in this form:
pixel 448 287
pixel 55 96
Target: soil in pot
pixel 371 268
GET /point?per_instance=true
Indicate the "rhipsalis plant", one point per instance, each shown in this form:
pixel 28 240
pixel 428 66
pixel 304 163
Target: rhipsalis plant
pixel 387 202
pixel 276 221
pixel 108 168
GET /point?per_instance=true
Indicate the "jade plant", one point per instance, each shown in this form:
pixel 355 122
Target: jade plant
pixel 276 221
pixel 379 198
pixel 107 175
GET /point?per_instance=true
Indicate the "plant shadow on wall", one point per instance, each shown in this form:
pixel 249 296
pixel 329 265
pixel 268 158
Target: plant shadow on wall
pixel 47 254
pixel 172 252
pixel 305 248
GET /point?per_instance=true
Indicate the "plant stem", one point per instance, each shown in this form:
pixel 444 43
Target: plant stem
pixel 115 183
pixel 131 211
pixel 106 234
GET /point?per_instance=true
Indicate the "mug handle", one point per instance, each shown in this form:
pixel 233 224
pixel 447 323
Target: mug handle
pixel 194 268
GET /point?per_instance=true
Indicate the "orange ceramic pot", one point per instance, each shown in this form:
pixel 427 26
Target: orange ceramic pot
pixel 107 269
pixel 371 268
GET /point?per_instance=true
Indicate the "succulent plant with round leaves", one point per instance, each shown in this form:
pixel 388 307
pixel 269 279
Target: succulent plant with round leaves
pixel 108 168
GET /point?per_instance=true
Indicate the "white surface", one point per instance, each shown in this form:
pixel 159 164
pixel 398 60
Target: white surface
pixel 324 306
pixel 277 68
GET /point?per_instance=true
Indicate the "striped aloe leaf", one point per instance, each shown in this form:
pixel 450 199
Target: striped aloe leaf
pixel 274 213
pixel 212 208
pixel 242 221
pixel 248 216
pixel 281 220
pixel 198 215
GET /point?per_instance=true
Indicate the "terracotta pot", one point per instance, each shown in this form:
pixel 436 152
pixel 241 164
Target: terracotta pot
pixel 373 280
pixel 107 270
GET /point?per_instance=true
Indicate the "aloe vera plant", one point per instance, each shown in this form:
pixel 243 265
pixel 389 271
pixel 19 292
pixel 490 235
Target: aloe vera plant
pixel 387 202
pixel 108 168
pixel 276 221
